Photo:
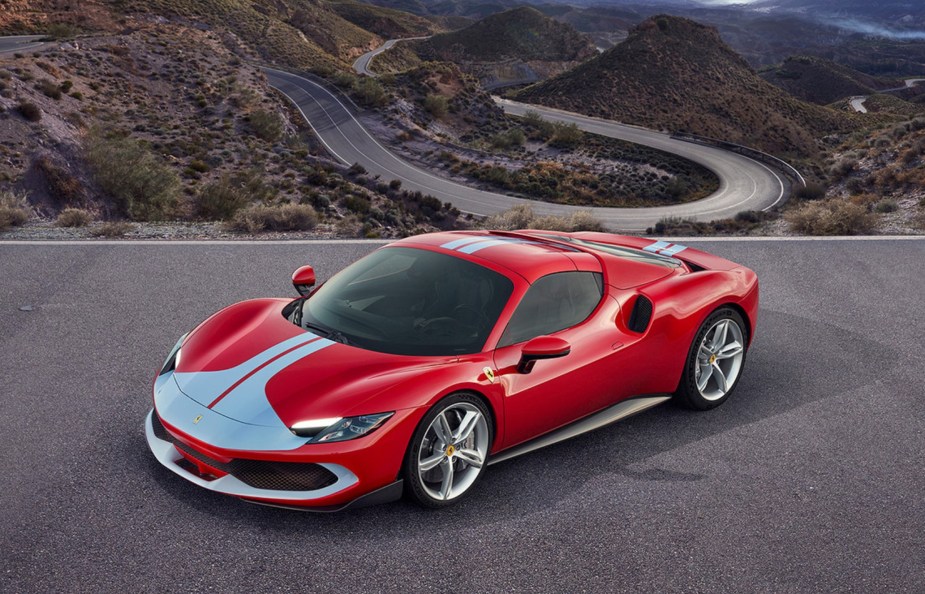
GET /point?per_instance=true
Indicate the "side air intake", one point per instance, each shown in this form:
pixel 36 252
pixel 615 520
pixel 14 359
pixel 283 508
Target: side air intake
pixel 641 314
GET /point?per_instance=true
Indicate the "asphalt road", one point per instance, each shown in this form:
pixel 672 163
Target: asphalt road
pixel 361 65
pixel 745 184
pixel 18 43
pixel 809 480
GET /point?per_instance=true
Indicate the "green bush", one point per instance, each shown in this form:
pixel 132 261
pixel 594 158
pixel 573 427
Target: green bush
pixel 142 186
pixel 886 205
pixel 369 92
pixel 220 200
pixel 436 105
pixel 266 125
pixel 566 135
pixel 288 217
pixel 523 217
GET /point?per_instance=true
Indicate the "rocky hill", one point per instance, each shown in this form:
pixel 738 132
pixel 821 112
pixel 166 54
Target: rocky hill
pixel 519 45
pixel 675 74
pixel 822 81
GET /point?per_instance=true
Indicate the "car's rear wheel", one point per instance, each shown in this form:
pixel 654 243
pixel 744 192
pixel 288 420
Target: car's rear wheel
pixel 448 451
pixel 715 361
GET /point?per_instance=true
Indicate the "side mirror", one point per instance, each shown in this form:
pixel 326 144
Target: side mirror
pixel 541 347
pixel 303 280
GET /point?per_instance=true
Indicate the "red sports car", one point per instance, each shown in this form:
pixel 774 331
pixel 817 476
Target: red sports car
pixel 417 366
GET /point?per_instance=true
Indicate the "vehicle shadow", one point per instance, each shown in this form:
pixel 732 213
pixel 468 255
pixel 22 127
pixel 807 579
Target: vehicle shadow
pixel 794 362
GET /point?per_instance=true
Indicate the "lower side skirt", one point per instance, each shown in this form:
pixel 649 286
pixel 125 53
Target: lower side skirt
pixel 590 423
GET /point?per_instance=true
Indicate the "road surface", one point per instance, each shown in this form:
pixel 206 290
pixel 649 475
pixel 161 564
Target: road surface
pixel 745 184
pixel 809 480
pixel 362 64
pixel 19 43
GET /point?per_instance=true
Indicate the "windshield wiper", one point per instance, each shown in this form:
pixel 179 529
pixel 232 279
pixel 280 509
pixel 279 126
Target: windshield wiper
pixel 328 333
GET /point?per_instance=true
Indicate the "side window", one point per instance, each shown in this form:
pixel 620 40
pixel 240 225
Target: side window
pixel 554 302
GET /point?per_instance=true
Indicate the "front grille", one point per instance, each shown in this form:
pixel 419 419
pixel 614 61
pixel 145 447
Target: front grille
pixel 260 474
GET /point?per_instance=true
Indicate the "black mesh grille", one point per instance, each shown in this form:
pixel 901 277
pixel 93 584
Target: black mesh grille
pixel 159 430
pixel 641 314
pixel 260 474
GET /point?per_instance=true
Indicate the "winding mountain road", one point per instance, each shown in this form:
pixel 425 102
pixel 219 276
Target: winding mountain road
pixel 362 64
pixel 745 184
pixel 19 43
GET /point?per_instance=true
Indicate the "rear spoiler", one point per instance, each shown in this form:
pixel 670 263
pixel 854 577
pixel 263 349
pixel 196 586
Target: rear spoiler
pixel 694 258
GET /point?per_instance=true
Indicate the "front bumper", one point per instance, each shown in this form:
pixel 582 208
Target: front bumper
pixel 200 469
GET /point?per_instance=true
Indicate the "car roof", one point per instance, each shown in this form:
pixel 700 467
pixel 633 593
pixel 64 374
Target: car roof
pixel 529 257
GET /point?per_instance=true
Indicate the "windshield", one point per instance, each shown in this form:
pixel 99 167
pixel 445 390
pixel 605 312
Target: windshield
pixel 409 302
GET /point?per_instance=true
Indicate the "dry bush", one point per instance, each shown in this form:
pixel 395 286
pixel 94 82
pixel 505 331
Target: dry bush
pixel 220 200
pixel 30 111
pixel 287 217
pixel 523 217
pixel 266 125
pixel 831 217
pixel 14 209
pixel 112 229
pixel 143 186
pixel 73 217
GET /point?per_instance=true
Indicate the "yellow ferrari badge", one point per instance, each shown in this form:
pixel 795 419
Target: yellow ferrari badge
pixel 197 419
pixel 489 374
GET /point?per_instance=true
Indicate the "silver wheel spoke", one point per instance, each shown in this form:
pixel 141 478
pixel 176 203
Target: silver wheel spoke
pixel 730 350
pixel 720 378
pixel 442 428
pixel 705 352
pixel 432 462
pixel 447 485
pixel 705 373
pixel 470 457
pixel 466 426
pixel 719 336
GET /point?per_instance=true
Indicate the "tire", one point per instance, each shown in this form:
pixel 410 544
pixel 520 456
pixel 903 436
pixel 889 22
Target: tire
pixel 464 456
pixel 717 354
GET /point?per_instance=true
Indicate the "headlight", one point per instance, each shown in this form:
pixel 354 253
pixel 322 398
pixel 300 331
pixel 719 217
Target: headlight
pixel 339 429
pixel 173 359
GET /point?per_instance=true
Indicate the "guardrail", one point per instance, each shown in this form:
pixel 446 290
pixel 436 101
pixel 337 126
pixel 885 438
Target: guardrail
pixel 786 167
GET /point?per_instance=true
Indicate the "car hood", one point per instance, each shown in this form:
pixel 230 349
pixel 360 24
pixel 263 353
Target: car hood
pixel 249 363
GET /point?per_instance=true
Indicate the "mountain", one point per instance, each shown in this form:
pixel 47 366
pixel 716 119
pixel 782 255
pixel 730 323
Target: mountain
pixel 675 74
pixel 822 81
pixel 388 22
pixel 522 33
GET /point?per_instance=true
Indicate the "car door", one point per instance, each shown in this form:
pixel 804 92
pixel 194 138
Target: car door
pixel 571 306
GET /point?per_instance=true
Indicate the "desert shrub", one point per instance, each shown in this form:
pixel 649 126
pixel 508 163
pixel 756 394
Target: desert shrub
pixel 199 166
pixel 357 204
pixel 844 167
pixel 811 191
pixel 566 135
pixel 64 186
pixel 287 217
pixel 142 186
pixel 66 86
pixel 369 92
pixel 73 217
pixel 886 205
pixel 30 111
pixel 522 216
pixel 112 229
pixel 14 209
pixel 436 105
pixel 832 217
pixel 60 31
pixel 49 88
pixel 220 200
pixel 395 184
pixel 266 125
pixel 511 138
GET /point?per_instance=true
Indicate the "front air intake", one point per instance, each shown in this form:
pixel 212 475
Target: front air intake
pixel 641 314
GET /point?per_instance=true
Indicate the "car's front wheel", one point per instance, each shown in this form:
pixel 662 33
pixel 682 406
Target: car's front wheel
pixel 715 361
pixel 449 450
